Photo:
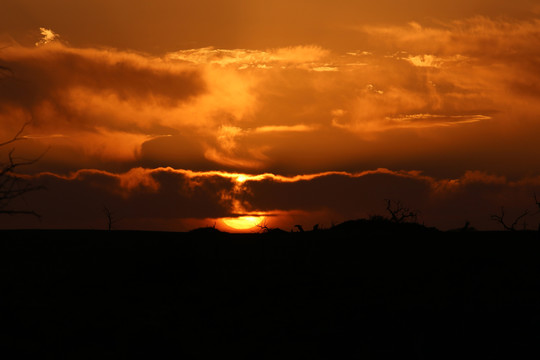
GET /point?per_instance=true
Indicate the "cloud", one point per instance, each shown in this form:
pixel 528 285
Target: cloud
pixel 283 128
pixel 48 36
pixel 174 199
pixel 227 151
pixel 426 60
pixel 142 198
pixel 105 102
pixel 297 56
pixel 431 120
pixel 415 95
pixel 445 203
pixel 108 103
pixel 478 36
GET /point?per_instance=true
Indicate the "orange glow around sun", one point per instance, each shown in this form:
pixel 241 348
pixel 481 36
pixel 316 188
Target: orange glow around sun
pixel 242 222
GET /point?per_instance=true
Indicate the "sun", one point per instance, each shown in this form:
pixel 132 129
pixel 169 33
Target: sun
pixel 243 222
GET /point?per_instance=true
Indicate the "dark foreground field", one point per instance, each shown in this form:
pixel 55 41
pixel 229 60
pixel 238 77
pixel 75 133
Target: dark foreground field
pixel 354 293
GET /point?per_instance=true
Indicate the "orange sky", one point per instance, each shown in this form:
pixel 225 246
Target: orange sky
pixel 172 112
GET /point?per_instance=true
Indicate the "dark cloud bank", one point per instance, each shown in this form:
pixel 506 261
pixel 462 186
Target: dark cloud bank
pixel 168 199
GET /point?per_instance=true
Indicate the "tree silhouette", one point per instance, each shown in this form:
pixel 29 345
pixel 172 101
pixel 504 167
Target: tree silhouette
pixel 111 218
pixel 400 213
pixel 506 226
pixel 263 226
pixel 13 186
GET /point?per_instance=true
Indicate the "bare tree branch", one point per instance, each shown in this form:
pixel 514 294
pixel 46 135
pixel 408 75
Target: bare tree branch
pixel 263 226
pixel 110 217
pixel 500 220
pixel 20 212
pixel 17 136
pixel 399 213
pixel 519 218
pixel 537 203
pixel 13 186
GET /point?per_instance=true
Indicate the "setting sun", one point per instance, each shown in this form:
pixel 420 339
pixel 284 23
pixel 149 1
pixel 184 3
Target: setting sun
pixel 243 222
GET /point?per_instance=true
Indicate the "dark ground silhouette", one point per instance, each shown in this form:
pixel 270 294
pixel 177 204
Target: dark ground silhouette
pixel 363 290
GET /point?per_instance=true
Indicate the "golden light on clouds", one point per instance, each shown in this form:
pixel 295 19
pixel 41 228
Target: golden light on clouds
pixel 430 98
pixel 48 36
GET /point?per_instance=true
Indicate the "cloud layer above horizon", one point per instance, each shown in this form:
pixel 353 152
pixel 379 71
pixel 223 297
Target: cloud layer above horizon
pixel 180 200
pixel 437 104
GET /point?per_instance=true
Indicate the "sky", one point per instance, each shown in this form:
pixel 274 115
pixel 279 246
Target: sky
pixel 179 114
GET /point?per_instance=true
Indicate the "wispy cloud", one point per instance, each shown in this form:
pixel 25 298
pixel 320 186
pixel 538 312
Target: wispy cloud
pixel 283 128
pixel 298 56
pixel 431 120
